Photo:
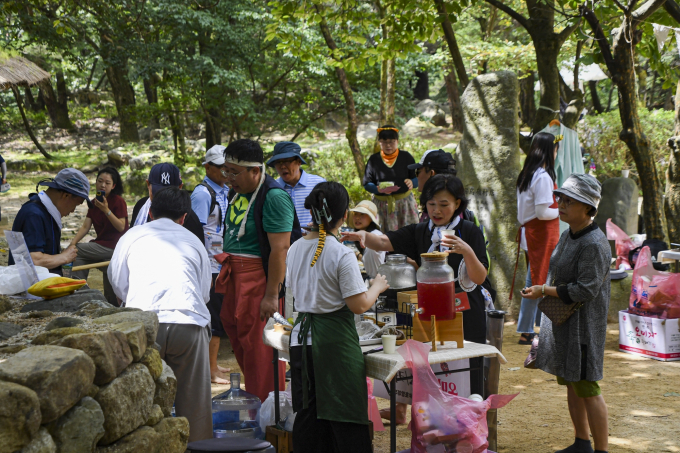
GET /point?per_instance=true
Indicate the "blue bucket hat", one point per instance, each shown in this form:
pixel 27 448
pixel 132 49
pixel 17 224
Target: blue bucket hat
pixel 285 150
pixel 70 180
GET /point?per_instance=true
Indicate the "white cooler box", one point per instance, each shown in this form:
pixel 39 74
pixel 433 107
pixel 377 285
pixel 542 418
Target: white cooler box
pixel 649 337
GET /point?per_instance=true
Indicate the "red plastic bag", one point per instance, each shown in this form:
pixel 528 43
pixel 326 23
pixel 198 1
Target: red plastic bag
pixel 623 242
pixel 373 412
pixel 654 293
pixel 441 422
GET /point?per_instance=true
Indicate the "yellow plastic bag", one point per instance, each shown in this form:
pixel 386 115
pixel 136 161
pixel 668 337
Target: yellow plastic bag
pixel 54 287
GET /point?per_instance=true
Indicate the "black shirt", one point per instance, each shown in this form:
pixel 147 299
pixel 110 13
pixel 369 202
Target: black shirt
pixel 377 172
pixel 412 240
pixel 191 222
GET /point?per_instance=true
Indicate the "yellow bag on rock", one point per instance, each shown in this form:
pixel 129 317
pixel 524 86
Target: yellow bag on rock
pixel 54 287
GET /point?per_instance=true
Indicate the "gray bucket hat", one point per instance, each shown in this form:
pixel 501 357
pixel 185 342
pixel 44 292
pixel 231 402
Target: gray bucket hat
pixel 581 187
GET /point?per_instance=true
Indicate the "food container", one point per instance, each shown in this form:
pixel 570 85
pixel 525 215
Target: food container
pixel 236 412
pixel 436 287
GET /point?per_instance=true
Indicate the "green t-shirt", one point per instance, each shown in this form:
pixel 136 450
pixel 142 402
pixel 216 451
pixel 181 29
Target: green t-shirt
pixel 278 213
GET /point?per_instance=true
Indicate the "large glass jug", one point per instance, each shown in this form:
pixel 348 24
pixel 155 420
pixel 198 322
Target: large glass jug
pixel 436 287
pixel 400 275
pixel 236 412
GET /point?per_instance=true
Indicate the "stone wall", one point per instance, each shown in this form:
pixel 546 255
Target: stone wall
pixel 88 380
pixel 488 163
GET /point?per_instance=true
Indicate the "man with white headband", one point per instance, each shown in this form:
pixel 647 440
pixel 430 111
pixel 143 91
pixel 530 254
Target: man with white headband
pixel 260 225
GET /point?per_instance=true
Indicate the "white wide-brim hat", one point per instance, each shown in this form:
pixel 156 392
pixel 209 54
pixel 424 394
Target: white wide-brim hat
pixel 365 207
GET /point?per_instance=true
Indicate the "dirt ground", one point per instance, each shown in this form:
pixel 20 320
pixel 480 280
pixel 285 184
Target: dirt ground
pixel 641 418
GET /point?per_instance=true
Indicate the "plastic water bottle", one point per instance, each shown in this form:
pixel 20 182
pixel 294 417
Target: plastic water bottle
pixel 236 412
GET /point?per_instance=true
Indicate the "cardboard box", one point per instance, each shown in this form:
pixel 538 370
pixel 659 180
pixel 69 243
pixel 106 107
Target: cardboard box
pixel 655 338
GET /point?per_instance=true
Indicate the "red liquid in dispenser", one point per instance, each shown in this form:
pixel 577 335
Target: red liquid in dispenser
pixel 436 299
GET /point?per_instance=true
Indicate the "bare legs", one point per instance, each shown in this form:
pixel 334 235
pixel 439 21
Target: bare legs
pixel 589 415
pixel 216 370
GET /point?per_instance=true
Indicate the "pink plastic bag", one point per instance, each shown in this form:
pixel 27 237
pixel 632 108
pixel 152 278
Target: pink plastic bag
pixel 373 412
pixel 623 242
pixel 441 422
pixel 654 293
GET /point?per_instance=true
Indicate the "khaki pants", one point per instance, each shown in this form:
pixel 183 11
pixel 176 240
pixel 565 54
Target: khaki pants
pixel 184 347
pixel 90 253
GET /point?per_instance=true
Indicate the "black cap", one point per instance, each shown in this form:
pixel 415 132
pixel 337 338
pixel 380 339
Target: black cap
pixel 436 159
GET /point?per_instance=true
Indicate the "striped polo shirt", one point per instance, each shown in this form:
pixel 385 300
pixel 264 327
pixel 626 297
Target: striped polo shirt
pixel 298 193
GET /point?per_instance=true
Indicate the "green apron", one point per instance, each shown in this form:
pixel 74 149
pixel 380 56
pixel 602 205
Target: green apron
pixel 339 370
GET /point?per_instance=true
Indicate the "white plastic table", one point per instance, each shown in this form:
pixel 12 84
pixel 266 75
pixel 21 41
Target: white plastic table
pixel 386 366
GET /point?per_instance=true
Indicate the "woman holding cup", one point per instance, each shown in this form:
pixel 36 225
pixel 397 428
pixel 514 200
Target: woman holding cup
pixel 324 277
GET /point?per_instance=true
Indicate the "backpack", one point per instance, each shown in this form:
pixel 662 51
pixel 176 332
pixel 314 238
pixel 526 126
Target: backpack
pixel 213 199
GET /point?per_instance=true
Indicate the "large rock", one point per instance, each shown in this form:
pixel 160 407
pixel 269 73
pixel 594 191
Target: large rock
pixel 135 182
pixel 136 338
pixel 619 297
pixel 79 429
pixel 620 203
pixel 367 131
pixel 12 348
pixel 5 305
pixel 488 164
pixel 174 433
pixel 64 321
pixel 19 416
pixel 8 330
pixel 126 402
pixel 148 318
pixel 155 134
pixel 55 335
pixel 427 108
pixel 117 158
pixel 152 360
pixel 110 311
pixel 145 133
pixel 60 376
pixel 144 439
pixel 108 350
pixel 156 415
pixel 136 163
pixel 166 388
pixel 416 127
pixel 68 304
pixel 41 443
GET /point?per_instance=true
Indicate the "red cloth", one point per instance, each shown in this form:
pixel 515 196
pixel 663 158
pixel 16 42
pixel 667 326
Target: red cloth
pixel 243 283
pixel 542 237
pixel 107 234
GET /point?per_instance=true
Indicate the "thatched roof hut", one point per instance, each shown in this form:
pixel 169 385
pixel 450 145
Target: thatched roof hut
pixel 18 71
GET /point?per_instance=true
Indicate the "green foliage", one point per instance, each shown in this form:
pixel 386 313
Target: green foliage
pixel 599 135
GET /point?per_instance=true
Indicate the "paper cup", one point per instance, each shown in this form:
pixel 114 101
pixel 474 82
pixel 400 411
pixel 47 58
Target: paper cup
pixel 389 344
pixel 625 173
pixel 449 233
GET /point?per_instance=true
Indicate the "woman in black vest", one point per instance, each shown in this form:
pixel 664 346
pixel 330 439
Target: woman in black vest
pixel 444 198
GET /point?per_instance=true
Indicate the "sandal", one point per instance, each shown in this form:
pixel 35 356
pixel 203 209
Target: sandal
pixel 526 338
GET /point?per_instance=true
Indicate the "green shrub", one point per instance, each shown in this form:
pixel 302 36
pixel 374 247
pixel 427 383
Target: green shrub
pixel 599 135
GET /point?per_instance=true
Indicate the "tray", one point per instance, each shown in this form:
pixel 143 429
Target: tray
pixel 370 342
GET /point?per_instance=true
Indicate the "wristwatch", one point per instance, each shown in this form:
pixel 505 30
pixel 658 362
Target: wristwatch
pixel 108 213
pixel 542 287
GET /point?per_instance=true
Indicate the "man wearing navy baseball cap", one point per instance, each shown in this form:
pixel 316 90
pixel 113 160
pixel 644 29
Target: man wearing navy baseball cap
pixel 39 219
pixel 161 176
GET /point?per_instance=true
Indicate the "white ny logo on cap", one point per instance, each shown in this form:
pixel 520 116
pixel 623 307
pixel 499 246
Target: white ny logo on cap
pixel 165 178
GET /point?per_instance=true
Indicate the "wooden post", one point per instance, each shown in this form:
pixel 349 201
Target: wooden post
pixel 433 332
pixel 17 96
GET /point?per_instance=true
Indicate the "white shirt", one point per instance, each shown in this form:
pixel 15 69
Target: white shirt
pixel 324 287
pixel 372 259
pixel 540 192
pixel 213 224
pixel 162 267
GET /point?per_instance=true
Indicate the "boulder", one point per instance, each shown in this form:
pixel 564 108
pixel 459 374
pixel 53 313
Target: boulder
pixel 92 391
pixel 155 134
pixel 126 402
pixel 63 321
pixel 148 318
pixel 79 429
pixel 136 339
pixel 68 304
pixel 12 348
pixel 156 415
pixel 488 162
pixel 415 127
pixel 367 131
pixel 5 305
pixel 136 163
pixel 19 416
pixel 39 314
pixel 59 376
pixel 145 133
pixel 41 443
pixel 174 434
pixel 108 350
pixel 110 311
pixel 440 119
pixel 116 157
pixel 620 203
pixel 144 439
pixel 619 298
pixel 166 388
pixel 56 335
pixel 135 183
pixel 427 108
pixel 152 360
pixel 8 330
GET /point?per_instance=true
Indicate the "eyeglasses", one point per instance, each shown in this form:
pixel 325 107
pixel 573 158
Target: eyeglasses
pixel 232 176
pixel 566 201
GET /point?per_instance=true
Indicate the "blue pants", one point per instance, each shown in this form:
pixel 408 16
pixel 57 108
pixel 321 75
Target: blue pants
pixel 528 311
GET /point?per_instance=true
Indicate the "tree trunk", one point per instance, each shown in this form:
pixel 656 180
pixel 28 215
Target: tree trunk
pixel 213 127
pixel 180 146
pixel 151 92
pixel 549 77
pixel 388 82
pixel 454 101
pixel 452 43
pixel 597 105
pixel 31 102
pixel 527 101
pixel 422 88
pixel 27 125
pixel 672 198
pixel 57 108
pixel 352 120
pixel 123 93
